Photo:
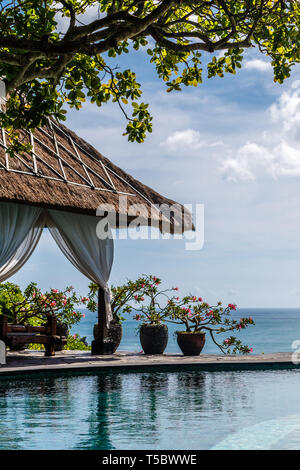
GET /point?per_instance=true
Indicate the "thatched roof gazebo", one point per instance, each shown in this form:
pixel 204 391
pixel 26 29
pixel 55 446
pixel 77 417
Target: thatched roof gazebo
pixel 60 184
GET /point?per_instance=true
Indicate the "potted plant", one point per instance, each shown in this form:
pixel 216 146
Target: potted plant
pixel 122 296
pixel 199 317
pixel 151 313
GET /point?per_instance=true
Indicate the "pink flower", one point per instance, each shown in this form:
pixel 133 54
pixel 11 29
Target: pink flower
pixel 251 349
pixel 226 341
pixel 55 291
pixel 83 315
pixel 142 286
pixel 232 306
pixel 136 297
pixel 175 288
pixel 200 299
pixel 53 304
pixel 142 298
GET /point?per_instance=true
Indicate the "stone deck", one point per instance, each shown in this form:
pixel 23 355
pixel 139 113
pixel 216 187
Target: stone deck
pixel 28 362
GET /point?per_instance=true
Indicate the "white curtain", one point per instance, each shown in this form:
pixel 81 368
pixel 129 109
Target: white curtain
pixel 76 236
pixel 21 227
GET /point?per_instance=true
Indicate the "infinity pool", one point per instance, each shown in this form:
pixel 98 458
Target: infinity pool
pixel 157 410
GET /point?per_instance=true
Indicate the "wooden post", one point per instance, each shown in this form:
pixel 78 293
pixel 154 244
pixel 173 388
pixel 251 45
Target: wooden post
pixel 102 319
pixel 101 344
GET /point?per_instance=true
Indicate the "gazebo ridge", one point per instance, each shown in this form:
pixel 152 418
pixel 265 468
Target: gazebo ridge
pixel 60 184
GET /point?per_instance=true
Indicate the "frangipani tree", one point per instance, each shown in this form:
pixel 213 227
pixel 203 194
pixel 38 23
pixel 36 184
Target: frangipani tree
pixel 198 316
pixel 45 67
pixel 33 305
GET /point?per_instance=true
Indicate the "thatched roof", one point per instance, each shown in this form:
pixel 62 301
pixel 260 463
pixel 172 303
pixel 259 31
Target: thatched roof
pixel 64 172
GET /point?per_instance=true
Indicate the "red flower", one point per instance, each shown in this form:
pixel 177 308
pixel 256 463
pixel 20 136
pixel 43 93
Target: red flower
pixel 232 306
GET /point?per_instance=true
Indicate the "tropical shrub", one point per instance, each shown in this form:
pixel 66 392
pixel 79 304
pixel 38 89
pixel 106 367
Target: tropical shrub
pixel 151 303
pixel 32 306
pixel 123 297
pixel 198 316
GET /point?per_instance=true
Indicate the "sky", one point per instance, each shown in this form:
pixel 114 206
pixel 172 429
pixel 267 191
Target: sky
pixel 232 144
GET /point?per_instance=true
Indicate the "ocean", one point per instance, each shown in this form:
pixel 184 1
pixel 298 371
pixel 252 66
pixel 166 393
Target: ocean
pixel 275 330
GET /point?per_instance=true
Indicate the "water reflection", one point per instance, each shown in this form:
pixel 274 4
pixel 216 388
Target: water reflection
pixel 190 409
pixel 104 392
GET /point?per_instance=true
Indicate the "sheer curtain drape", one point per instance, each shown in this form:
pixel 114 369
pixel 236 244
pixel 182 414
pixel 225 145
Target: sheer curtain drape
pixel 21 227
pixel 20 230
pixel 75 234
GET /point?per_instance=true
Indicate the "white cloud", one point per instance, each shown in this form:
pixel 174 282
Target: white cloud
pixel 277 151
pixel 188 138
pixel 258 64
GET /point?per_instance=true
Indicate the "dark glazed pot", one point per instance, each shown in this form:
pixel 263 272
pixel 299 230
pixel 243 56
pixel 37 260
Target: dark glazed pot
pixel 114 338
pixel 191 344
pixel 154 338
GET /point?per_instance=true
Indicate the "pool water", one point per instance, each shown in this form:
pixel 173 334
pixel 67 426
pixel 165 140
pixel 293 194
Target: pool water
pixel 157 410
